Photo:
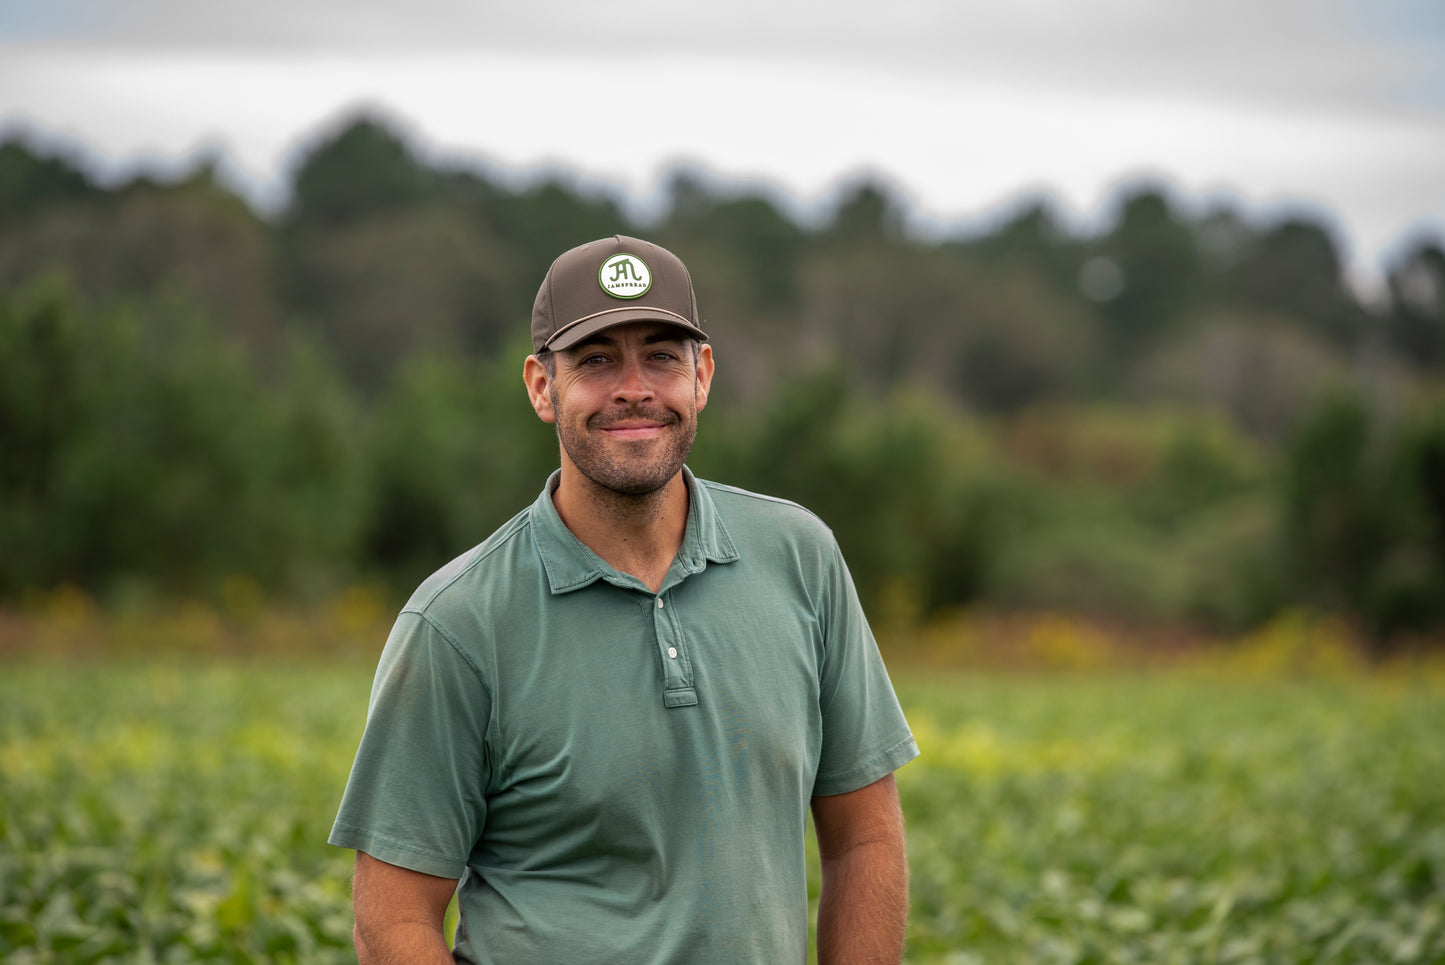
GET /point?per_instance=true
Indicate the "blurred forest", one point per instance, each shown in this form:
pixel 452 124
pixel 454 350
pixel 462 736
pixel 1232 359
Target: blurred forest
pixel 1179 419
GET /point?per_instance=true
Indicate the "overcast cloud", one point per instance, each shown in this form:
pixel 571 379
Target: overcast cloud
pixel 1323 105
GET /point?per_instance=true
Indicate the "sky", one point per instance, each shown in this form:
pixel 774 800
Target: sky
pixel 1334 109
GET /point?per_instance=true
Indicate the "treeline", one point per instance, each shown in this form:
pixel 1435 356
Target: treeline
pixel 1181 417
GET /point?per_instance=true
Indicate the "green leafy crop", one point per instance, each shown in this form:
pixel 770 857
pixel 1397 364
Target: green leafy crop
pixel 177 811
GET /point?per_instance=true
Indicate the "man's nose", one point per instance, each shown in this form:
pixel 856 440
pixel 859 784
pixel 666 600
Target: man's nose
pixel 633 385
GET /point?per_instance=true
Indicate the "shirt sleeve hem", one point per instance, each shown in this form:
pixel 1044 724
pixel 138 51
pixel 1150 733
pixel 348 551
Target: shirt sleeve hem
pixel 873 769
pixel 402 855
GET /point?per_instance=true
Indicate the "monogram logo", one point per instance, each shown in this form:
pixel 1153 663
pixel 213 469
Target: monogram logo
pixel 624 276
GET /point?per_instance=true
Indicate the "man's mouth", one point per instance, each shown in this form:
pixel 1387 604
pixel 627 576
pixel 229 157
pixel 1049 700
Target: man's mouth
pixel 633 429
pixel 636 425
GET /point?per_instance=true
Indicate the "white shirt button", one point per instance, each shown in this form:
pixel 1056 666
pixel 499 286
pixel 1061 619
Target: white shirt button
pixel 659 603
pixel 672 652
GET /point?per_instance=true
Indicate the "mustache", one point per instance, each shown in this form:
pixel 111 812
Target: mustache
pixel 658 414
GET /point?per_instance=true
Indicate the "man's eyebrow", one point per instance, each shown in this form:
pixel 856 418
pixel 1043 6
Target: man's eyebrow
pixel 603 340
pixel 592 341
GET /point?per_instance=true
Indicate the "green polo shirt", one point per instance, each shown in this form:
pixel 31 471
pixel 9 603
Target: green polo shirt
pixel 617 775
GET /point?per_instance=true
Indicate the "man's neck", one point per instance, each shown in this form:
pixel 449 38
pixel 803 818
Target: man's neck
pixel 639 535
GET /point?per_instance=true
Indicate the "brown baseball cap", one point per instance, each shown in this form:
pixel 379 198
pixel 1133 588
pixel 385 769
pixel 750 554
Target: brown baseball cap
pixel 611 282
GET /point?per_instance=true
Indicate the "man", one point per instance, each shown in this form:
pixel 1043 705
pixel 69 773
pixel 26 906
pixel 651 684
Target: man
pixel 604 727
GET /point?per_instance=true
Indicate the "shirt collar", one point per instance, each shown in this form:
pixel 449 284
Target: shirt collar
pixel 571 565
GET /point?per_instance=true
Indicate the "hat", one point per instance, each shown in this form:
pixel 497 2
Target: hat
pixel 611 282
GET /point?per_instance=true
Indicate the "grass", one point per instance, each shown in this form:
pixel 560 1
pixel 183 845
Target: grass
pixel 174 809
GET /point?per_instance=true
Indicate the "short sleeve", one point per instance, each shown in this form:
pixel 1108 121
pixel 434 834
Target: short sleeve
pixel 416 796
pixel 865 735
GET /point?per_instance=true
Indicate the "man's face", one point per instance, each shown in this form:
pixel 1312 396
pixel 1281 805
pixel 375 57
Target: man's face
pixel 625 403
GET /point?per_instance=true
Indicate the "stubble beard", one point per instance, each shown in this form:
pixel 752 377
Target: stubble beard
pixel 609 467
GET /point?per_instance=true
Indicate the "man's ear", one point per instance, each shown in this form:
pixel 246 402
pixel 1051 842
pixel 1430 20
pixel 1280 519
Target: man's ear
pixel 534 376
pixel 704 373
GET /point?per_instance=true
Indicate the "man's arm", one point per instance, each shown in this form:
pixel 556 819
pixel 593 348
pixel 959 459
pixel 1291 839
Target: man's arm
pixel 399 914
pixel 863 910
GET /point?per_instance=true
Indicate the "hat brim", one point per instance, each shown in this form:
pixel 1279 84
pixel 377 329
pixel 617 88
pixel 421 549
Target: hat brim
pixel 585 328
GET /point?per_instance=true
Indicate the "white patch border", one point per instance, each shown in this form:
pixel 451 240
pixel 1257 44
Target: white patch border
pixel 612 260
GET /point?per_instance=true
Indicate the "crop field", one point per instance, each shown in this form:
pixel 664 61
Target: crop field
pixel 176 810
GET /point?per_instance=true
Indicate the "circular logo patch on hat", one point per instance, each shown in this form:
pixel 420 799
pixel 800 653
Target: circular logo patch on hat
pixel 624 276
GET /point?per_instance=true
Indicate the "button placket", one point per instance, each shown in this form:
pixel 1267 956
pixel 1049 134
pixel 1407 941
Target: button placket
pixel 676 670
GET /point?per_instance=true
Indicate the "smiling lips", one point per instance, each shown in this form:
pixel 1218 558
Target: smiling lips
pixel 634 430
pixel 636 427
